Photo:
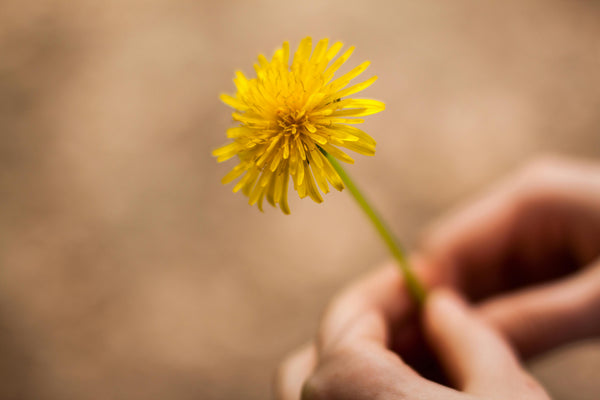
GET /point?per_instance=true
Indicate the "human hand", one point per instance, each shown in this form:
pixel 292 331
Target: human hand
pixel 528 252
pixel 353 359
pixel 539 225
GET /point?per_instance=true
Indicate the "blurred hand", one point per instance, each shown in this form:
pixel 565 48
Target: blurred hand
pixel 525 251
pixel 355 361
pixel 528 251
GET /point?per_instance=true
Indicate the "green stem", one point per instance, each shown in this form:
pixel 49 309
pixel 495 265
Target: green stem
pixel 413 283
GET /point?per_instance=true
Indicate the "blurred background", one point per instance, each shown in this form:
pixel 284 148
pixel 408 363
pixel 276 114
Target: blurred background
pixel 127 271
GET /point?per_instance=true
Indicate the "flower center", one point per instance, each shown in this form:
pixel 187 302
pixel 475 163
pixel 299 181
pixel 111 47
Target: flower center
pixel 291 121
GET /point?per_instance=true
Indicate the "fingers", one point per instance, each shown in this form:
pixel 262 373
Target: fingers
pixel 379 291
pixel 476 358
pixel 544 182
pixel 382 293
pixel 357 315
pixel 547 316
pixel 293 372
pixel 358 368
pixel 350 356
pixel 544 220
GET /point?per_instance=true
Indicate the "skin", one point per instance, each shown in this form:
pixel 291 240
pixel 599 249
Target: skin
pixel 525 254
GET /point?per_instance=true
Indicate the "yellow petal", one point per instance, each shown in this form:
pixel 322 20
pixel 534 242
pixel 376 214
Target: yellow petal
pixel 360 147
pixel 338 63
pixel 234 174
pixel 332 175
pixel 346 78
pixel 233 102
pixel 320 50
pixel 337 153
pixel 339 129
pixel 303 51
pixel 311 188
pixel 226 152
pixel 355 89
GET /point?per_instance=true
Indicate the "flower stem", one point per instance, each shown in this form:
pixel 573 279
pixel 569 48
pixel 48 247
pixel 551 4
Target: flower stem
pixel 414 285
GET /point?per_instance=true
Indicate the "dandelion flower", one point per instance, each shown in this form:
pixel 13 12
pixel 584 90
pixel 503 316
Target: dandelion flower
pixel 291 116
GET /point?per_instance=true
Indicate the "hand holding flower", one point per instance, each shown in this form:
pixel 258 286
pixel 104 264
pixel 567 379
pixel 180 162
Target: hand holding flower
pixel 352 358
pixel 502 250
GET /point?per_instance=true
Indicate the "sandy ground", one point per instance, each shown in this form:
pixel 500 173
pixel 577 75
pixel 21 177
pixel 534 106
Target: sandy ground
pixel 128 272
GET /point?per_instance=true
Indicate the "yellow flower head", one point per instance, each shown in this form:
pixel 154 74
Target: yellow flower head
pixel 289 116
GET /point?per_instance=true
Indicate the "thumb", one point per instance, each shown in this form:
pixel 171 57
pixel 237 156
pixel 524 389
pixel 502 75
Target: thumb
pixel 476 358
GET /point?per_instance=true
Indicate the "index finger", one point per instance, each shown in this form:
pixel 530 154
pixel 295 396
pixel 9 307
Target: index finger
pixel 381 295
pixel 357 319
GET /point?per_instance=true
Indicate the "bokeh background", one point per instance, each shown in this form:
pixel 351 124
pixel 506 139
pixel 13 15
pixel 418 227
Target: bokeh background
pixel 128 272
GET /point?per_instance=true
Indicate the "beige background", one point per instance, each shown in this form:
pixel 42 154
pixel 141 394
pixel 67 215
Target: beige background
pixel 128 272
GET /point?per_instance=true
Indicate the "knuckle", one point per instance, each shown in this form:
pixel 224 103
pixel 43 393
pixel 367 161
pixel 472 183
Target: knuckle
pixel 538 182
pixel 539 172
pixel 327 315
pixel 543 171
pixel 335 315
pixel 544 163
